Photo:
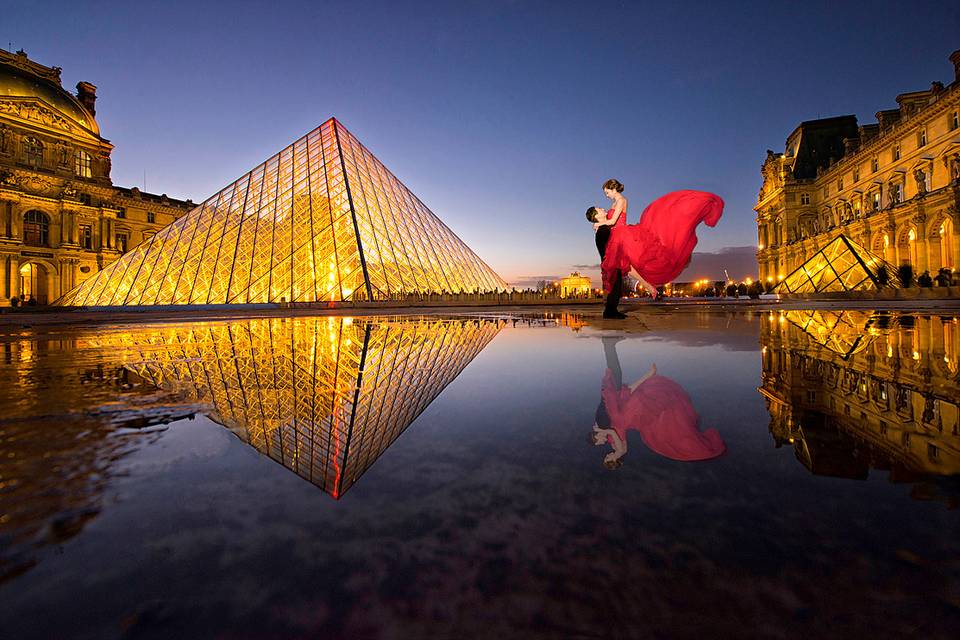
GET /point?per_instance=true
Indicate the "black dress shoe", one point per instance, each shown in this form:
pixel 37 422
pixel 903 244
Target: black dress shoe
pixel 613 315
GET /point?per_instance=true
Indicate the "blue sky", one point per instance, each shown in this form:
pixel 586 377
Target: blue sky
pixel 503 117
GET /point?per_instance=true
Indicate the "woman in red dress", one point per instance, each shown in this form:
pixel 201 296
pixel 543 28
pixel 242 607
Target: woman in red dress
pixel 658 248
pixel 656 407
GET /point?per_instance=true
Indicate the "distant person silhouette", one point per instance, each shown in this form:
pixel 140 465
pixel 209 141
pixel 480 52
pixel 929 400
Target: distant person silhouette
pixel 656 407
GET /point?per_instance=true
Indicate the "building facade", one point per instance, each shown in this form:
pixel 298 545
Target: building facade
pixel 892 186
pixel 61 218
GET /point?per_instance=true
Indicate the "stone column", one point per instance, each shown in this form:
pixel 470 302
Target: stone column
pixel 4 281
pixel 14 277
pixel 6 214
pixel 16 222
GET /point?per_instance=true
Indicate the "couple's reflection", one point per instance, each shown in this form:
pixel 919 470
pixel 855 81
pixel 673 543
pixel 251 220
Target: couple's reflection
pixel 656 407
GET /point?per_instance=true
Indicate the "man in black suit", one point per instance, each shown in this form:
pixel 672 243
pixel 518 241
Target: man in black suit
pixel 614 295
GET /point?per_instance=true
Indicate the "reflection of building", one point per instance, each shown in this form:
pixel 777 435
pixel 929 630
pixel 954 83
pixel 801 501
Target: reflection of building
pixel 323 220
pixel 323 397
pixel 61 220
pixel 575 286
pixel 69 418
pixel 893 187
pixel 853 391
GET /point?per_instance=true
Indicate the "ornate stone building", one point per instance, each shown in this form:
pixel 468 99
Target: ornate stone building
pixel 853 391
pixel 576 286
pixel 61 218
pixel 892 186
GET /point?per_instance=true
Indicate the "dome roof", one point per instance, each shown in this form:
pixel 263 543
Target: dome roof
pixel 16 83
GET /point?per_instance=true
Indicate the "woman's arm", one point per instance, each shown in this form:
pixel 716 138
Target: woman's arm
pixel 647 376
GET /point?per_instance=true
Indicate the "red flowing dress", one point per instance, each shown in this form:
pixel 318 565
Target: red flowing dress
pixel 662 412
pixel 660 245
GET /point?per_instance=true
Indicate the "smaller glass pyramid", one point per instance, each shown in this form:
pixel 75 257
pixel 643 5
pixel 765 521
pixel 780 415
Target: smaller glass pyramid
pixel 841 265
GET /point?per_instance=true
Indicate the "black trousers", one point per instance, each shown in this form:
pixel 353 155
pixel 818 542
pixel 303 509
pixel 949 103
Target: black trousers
pixel 616 292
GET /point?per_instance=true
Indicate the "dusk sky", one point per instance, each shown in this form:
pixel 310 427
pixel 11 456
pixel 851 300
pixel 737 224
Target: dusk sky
pixel 504 117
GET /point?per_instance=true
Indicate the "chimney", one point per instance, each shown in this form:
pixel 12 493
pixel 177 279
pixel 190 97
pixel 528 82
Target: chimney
pixel 955 59
pixel 87 94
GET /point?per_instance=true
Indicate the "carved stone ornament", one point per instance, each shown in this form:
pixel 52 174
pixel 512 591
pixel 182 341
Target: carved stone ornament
pixel 35 112
pixel 39 185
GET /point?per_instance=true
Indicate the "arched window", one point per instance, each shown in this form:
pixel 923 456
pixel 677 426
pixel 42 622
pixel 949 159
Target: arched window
pixel 36 228
pixel 912 247
pixel 33 152
pixel 947 259
pixel 82 164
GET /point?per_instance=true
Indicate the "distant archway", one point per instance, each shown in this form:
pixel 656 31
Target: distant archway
pixel 34 283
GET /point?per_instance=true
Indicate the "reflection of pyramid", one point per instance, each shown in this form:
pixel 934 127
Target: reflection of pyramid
pixel 842 332
pixel 841 265
pixel 324 397
pixel 321 220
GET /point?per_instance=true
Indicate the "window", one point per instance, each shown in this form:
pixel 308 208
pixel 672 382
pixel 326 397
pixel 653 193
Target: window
pixel 897 193
pixel 82 165
pixel 804 198
pixel 826 192
pixel 121 243
pixel 33 151
pixel 876 201
pixel 955 120
pixel 840 184
pixel 922 138
pixel 896 152
pixel 86 236
pixel 121 213
pixel 151 217
pixel 856 174
pixel 875 165
pixel 36 228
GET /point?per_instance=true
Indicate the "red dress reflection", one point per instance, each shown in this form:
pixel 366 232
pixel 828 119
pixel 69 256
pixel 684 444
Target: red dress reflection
pixel 660 410
pixel 659 246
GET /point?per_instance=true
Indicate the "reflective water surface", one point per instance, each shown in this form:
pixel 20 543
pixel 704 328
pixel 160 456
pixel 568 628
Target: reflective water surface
pixel 791 473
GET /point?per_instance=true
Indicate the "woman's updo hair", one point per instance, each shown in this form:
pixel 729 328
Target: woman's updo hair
pixel 614 184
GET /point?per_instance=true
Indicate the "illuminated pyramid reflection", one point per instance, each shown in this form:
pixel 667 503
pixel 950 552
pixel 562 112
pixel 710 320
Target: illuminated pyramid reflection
pixel 841 265
pixel 842 332
pixel 323 220
pixel 324 397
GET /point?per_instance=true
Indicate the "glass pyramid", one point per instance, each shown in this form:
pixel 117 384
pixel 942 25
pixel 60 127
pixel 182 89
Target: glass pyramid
pixel 324 397
pixel 323 220
pixel 841 265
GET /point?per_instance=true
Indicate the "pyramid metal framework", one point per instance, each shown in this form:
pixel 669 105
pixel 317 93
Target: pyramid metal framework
pixel 323 220
pixel 324 397
pixel 841 265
